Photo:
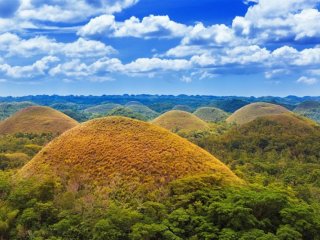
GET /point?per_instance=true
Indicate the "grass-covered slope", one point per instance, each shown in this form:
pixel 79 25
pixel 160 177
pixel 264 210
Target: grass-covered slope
pixel 280 148
pixel 37 120
pixel 143 110
pixel 126 112
pixel 102 109
pixel 253 111
pixel 210 114
pixel 309 109
pixel 116 151
pixel 184 108
pixel 180 121
pixel 7 109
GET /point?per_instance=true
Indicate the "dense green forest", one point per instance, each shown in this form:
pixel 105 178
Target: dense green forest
pixel 194 208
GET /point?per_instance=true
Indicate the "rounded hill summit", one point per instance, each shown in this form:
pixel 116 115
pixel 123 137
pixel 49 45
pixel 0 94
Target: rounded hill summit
pixel 116 150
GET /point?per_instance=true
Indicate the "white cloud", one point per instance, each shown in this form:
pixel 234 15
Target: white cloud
pixel 149 27
pixel 186 50
pixel 102 25
pixel 186 79
pixel 212 35
pixel 269 21
pixel 39 68
pixel 307 80
pixel 13 45
pixel 69 10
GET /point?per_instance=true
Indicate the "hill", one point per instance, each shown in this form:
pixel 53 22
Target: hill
pixel 184 108
pixel 102 109
pixel 309 109
pixel 254 110
pixel 120 151
pixel 37 120
pixel 133 103
pixel 143 110
pixel 229 105
pixel 7 109
pixel 126 112
pixel 281 148
pixel 180 121
pixel 210 114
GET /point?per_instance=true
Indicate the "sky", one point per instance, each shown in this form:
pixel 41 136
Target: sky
pixel 196 47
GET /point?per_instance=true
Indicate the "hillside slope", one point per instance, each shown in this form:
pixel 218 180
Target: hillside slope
pixel 309 109
pixel 7 109
pixel 210 114
pixel 37 120
pixel 116 151
pixel 180 121
pixel 102 109
pixel 253 111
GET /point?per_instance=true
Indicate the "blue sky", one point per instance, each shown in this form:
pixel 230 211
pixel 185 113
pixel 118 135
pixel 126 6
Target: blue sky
pixel 211 47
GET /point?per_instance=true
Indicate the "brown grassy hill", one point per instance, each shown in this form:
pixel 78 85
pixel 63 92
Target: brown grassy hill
pixel 176 121
pixel 37 120
pixel 280 124
pixel 252 111
pixel 117 151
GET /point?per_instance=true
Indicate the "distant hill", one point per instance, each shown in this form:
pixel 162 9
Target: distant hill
pixel 134 103
pixel 210 114
pixel 7 109
pixel 143 110
pixel 309 109
pixel 281 148
pixel 126 112
pixel 116 152
pixel 180 121
pixel 184 108
pixel 254 110
pixel 102 109
pixel 37 120
pixel 229 105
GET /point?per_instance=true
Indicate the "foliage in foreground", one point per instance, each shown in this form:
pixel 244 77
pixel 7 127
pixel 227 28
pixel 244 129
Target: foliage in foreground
pixel 192 209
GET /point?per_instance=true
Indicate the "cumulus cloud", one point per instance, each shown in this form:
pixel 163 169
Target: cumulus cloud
pixel 149 27
pixel 215 34
pixel 13 45
pixel 39 68
pixel 269 21
pixel 307 80
pixel 69 10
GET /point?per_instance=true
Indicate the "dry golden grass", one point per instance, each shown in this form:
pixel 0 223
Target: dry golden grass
pixel 114 151
pixel 176 121
pixel 37 120
pixel 255 110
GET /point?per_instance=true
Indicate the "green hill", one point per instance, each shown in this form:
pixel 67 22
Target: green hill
pixel 143 110
pixel 102 109
pixel 255 110
pixel 176 121
pixel 184 108
pixel 229 105
pixel 210 114
pixel 7 109
pixel 126 112
pixel 309 109
pixel 282 149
